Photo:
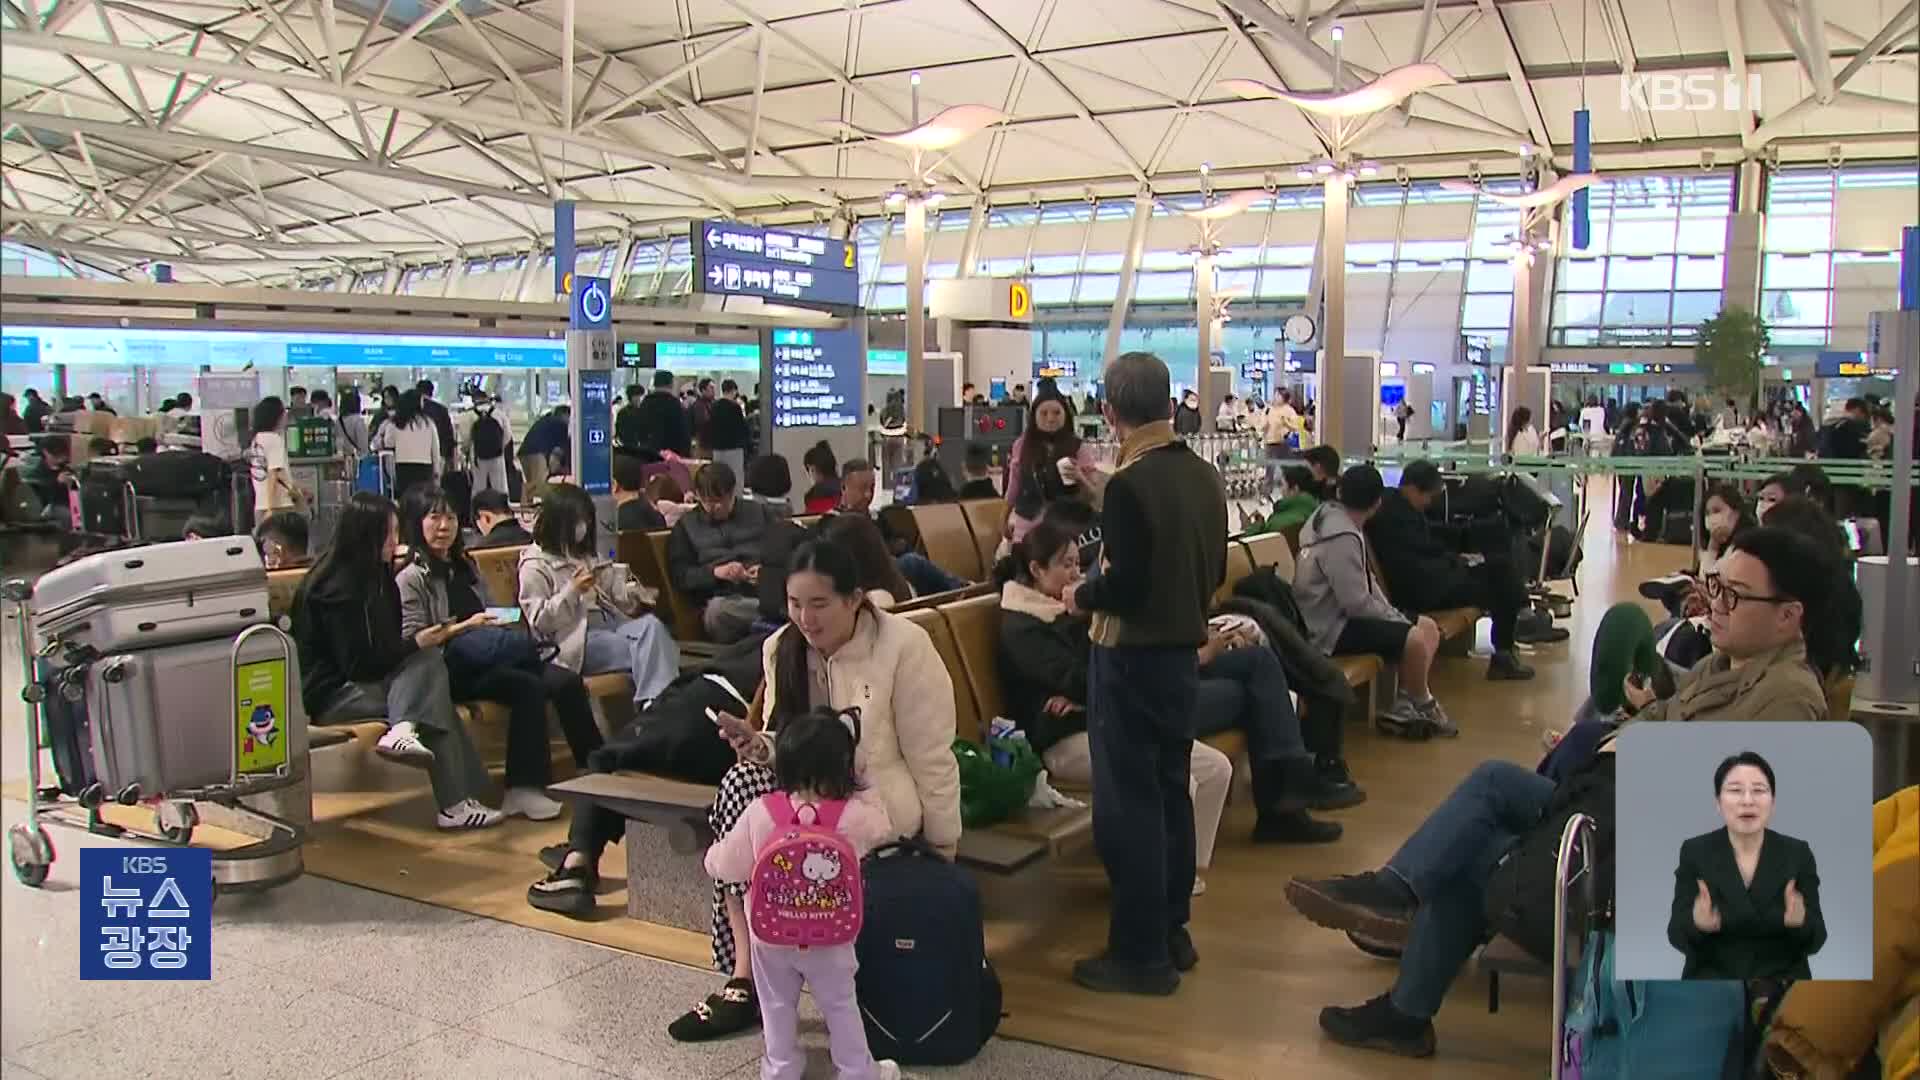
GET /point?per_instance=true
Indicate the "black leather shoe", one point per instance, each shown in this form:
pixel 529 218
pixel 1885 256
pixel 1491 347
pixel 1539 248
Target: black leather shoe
pixel 1294 827
pixel 1180 948
pixel 1102 974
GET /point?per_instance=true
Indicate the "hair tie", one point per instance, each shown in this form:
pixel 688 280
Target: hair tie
pixel 850 719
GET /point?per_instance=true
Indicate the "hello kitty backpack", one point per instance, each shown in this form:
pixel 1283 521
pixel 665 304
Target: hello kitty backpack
pixel 805 888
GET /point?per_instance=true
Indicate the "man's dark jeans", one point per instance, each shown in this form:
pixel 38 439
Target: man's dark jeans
pixel 1447 862
pixel 1140 709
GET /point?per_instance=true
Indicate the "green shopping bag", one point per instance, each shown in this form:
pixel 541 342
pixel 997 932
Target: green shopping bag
pixel 989 791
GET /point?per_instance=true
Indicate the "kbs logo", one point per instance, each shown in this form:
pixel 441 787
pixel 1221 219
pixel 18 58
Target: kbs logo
pixel 1699 92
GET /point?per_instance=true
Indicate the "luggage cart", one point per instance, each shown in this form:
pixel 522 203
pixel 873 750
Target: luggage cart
pixel 272 806
pixel 1576 843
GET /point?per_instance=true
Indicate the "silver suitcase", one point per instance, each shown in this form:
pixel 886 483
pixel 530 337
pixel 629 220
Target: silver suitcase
pixel 143 597
pixel 174 718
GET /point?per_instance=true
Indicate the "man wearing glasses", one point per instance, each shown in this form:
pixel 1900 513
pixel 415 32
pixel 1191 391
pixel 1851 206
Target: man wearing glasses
pixel 1774 630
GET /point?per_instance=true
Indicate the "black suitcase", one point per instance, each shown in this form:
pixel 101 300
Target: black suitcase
pixel 175 474
pixel 927 992
pixel 107 505
pixel 65 731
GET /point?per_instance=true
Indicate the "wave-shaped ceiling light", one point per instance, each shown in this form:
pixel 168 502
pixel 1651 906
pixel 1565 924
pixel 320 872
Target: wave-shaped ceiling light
pixel 951 127
pixel 1551 195
pixel 1384 92
pixel 1236 203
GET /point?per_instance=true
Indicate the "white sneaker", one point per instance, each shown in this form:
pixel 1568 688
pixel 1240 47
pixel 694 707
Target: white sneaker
pixel 889 1069
pixel 469 814
pixel 402 744
pixel 530 803
pixel 1199 886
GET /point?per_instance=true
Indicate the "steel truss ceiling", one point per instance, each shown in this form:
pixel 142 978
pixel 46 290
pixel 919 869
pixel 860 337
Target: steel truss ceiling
pixel 242 138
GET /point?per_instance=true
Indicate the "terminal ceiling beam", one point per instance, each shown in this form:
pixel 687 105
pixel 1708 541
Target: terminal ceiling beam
pixel 1517 75
pixel 1813 31
pixel 1737 60
pixel 1897 27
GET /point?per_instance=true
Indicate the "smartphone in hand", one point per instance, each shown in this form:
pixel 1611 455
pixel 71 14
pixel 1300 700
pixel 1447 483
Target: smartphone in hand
pixel 504 614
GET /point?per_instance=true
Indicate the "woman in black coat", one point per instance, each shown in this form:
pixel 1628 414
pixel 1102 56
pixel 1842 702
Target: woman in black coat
pixel 1746 899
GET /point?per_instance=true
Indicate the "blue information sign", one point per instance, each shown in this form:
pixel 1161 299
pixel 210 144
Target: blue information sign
pixel 791 268
pixel 146 914
pixel 596 432
pixel 817 378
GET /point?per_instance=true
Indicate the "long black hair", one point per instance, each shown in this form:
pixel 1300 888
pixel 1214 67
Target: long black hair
pixel 407 409
pixel 353 563
pixel 1042 544
pixel 267 414
pixel 790 682
pixel 422 501
pixel 862 539
pixel 1743 518
pixel 557 529
pixel 1038 447
pixel 813 753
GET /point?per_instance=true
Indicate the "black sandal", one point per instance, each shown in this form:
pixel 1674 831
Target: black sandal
pixel 731 1011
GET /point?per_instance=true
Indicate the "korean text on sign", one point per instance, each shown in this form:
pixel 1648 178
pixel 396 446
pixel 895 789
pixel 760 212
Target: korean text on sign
pixel 145 914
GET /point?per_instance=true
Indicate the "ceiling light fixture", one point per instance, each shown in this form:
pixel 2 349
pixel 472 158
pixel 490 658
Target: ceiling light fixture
pixel 1384 92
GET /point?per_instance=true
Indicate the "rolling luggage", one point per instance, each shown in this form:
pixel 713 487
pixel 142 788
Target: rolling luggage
pixel 162 719
pixel 142 597
pixel 176 474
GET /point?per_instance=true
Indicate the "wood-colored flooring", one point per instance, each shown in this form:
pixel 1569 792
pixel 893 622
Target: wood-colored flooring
pixel 1249 1010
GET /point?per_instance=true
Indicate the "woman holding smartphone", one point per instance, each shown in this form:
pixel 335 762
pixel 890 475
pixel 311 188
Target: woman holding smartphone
pixel 496 661
pixel 594 612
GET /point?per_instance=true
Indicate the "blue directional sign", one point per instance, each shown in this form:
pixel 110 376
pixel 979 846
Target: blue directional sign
pixel 596 432
pixel 791 268
pixel 591 305
pixel 114 346
pixel 818 377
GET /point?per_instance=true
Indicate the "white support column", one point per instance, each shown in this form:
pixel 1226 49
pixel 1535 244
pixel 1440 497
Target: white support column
pixel 620 267
pixel 1746 229
pixel 970 246
pixel 1203 317
pixel 1331 427
pixel 1129 266
pixel 916 214
pixel 533 265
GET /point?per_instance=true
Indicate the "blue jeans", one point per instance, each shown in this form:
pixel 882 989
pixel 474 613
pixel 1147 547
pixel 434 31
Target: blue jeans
pixel 640 647
pixel 1247 688
pixel 925 576
pixel 1446 862
pixel 1140 708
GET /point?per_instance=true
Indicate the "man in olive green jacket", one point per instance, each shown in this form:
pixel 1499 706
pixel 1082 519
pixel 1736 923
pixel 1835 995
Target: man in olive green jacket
pixel 1768 594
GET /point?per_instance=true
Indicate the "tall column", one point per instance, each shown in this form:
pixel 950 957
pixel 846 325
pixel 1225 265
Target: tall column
pixel 1746 226
pixel 1129 265
pixel 970 244
pixel 1203 319
pixel 916 314
pixel 1331 427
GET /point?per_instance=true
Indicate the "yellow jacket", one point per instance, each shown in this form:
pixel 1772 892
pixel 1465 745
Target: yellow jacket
pixel 1824 1027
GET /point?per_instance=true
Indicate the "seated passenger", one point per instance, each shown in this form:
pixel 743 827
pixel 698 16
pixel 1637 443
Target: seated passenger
pixel 493 662
pixel 633 511
pixel 1425 575
pixel 877 573
pixel 978 464
pixel 1347 611
pixel 931 484
pixel 713 555
pixel 282 537
pixel 885 665
pixel 499 526
pixel 1431 898
pixel 824 469
pixel 770 481
pixel 1299 498
pixel 858 481
pixel 355 664
pixel 593 609
pixel 1044 655
pixel 48 472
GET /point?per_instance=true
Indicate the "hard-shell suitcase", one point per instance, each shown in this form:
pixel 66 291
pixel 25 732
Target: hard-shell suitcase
pixel 143 597
pixel 165 719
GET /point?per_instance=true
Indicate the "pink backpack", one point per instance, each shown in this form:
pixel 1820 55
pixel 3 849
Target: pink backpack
pixel 805 888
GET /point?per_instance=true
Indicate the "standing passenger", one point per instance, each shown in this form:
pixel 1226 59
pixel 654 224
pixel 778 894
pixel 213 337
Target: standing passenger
pixel 415 443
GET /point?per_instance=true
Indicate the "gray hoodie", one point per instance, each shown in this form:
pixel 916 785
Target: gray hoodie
pixel 1333 581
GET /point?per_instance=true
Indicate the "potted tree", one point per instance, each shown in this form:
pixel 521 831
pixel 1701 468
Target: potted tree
pixel 1728 350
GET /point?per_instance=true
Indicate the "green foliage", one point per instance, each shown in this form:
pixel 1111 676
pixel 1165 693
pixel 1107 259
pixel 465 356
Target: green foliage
pixel 1728 350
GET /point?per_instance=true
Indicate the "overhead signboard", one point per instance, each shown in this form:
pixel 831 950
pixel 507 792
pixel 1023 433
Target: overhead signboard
pixel 96 346
pixel 691 356
pixel 1850 365
pixel 886 361
pixel 733 259
pixel 817 378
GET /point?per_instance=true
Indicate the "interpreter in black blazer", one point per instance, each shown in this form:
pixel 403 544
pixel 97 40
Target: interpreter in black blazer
pixel 1746 899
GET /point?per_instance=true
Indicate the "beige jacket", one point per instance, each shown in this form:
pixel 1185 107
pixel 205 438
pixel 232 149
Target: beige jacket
pixel 1777 685
pixel 557 612
pixel 892 672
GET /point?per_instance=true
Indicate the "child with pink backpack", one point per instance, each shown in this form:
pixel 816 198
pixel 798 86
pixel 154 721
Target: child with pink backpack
pixel 799 850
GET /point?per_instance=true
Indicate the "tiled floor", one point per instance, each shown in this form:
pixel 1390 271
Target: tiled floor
pixel 321 980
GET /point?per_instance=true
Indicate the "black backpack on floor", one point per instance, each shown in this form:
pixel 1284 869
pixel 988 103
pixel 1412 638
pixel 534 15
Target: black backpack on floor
pixel 1521 890
pixel 927 991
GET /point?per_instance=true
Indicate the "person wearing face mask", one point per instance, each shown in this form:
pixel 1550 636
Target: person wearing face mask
pixel 356 664
pixel 1187 418
pixel 589 606
pixel 1746 899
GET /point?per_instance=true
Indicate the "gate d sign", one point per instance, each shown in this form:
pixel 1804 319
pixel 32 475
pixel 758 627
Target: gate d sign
pixel 1019 301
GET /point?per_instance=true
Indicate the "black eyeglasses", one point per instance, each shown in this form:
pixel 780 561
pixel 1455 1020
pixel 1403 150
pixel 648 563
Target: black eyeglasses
pixel 1725 596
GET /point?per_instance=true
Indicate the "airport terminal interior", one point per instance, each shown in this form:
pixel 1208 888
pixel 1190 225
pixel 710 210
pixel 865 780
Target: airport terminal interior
pixel 1556 361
